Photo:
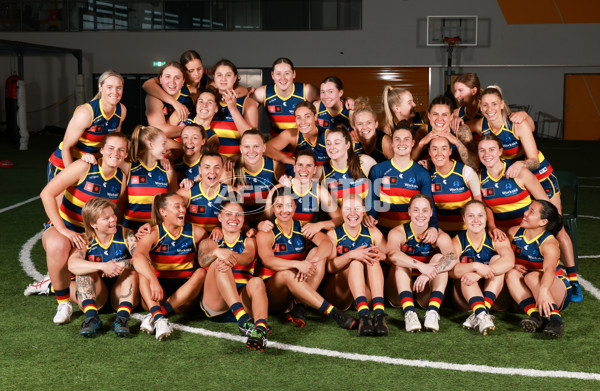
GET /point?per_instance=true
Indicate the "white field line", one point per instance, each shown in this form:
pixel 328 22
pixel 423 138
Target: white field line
pixel 588 186
pixel 30 270
pixel 392 360
pixel 588 256
pixel 589 217
pixel 19 204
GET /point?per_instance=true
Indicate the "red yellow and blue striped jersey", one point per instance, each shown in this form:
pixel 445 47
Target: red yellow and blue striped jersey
pixel 450 194
pixel 512 149
pixel 507 199
pixel 173 255
pixel 241 273
pixel 93 185
pixel 280 111
pixel 346 243
pixel 203 210
pixel 185 98
pixel 256 185
pixel 143 184
pixel 393 188
pixel 117 250
pixel 93 135
pixel 415 247
pixel 292 246
pixel 528 253
pixel 307 204
pixel 326 120
pixel 225 128
pixel 469 253
pixel 339 183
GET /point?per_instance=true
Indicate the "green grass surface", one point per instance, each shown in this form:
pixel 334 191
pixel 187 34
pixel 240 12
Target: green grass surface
pixel 34 353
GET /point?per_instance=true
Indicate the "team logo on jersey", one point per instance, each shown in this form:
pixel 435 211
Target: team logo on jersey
pixel 389 180
pixel 280 247
pixel 95 129
pixel 92 187
pixel 436 187
pixel 274 109
pixel 137 179
pixel 342 249
pixel 164 248
pixel 518 251
pixel 323 123
pixel 407 248
pixel 489 192
pixel 95 258
pixel 466 259
pixel 197 209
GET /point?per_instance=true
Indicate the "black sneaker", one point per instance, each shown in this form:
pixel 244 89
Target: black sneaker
pixel 343 320
pixel 120 327
pixel 90 326
pixel 381 328
pixel 297 315
pixel 257 340
pixel 246 328
pixel 533 324
pixel 365 325
pixel 554 329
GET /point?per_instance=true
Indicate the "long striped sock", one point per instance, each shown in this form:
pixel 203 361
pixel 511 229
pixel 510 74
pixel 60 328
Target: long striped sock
pixel 167 308
pixel 238 311
pixel 555 314
pixel 406 298
pixel 361 306
pixel 477 304
pixel 63 295
pixel 489 298
pixel 528 306
pixel 124 309
pixel 435 301
pixel 156 313
pixel 326 308
pixel 572 273
pixel 89 308
pixel 261 324
pixel 378 307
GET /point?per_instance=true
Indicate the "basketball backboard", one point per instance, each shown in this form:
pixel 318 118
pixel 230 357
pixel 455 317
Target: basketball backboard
pixel 452 26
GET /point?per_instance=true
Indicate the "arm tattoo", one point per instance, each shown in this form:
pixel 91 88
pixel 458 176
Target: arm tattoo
pixel 86 289
pixel 131 242
pixel 207 259
pixel 464 134
pixel 445 262
pixel 531 164
pixel 128 294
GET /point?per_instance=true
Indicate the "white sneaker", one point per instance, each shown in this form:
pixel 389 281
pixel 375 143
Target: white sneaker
pixel 63 313
pixel 470 322
pixel 431 321
pixel 411 321
pixel 39 287
pixel 163 328
pixel 485 323
pixel 147 325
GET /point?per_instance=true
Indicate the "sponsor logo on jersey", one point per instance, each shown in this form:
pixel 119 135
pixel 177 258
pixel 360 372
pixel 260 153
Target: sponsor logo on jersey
pixel 92 187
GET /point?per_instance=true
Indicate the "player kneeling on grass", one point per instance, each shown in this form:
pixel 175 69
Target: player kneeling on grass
pixel 423 264
pixel 355 270
pixel 479 277
pixel 537 283
pixel 102 268
pixel 229 283
pixel 165 259
pixel 288 271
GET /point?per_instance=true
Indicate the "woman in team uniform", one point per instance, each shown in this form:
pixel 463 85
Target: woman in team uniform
pixel 290 270
pixel 255 175
pixel 398 106
pixel 453 185
pixel 375 142
pixel 158 112
pixel 439 114
pixel 102 269
pixel 171 281
pixel 355 272
pixel 90 124
pixel 193 139
pixel 331 110
pixel 237 113
pixel 519 148
pixel 230 284
pixel 79 182
pixel 207 107
pixel 479 277
pixel 203 200
pixel 536 283
pixel 418 266
pixel 281 97
pixel 396 180
pixel 345 172
pixel 146 176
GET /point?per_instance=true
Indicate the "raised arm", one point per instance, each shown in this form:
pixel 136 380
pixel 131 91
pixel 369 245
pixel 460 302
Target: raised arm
pixel 274 146
pixel 82 118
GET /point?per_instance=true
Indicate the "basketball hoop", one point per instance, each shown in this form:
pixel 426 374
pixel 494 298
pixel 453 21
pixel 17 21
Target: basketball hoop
pixel 451 42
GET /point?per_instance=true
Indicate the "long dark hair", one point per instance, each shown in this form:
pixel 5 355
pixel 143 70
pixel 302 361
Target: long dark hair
pixel 548 211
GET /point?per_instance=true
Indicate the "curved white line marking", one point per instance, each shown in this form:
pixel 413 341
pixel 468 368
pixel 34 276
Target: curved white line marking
pixel 25 258
pixel 589 287
pixel 589 217
pixel 19 204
